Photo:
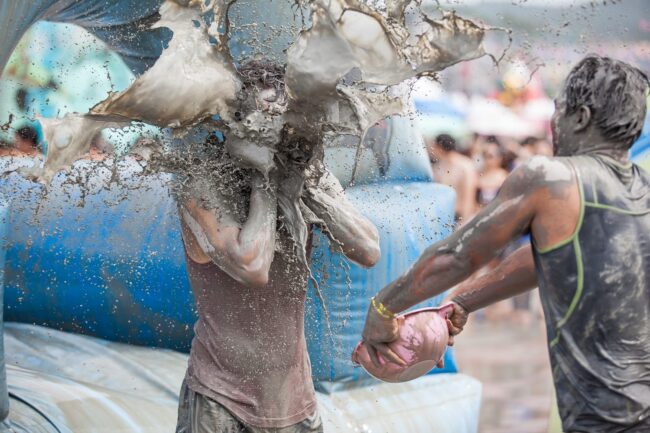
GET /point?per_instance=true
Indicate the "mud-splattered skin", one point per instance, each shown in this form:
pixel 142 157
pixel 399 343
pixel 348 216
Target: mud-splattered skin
pixel 512 276
pixel 539 197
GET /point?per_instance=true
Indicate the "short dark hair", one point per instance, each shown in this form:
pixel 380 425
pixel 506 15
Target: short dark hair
pixel 614 91
pixel 28 133
pixel 446 141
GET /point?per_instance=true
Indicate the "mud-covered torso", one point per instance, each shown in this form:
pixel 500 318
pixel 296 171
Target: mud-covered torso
pixel 595 288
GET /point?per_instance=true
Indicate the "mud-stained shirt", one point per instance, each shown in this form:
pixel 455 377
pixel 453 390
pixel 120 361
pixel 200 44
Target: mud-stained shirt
pixel 249 352
pixel 595 289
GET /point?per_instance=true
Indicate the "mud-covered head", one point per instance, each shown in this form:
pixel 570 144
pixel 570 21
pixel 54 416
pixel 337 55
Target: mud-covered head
pixel 602 107
pixel 263 86
pixel 257 116
pixel 262 105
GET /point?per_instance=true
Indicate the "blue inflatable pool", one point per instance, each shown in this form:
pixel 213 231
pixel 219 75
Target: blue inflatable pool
pixel 107 259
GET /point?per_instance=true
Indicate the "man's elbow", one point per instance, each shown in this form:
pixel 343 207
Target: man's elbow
pixel 256 278
pixel 372 255
pixel 251 271
pixel 368 253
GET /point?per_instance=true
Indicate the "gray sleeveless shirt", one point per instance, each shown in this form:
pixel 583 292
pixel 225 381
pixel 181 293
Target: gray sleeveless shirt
pixel 595 289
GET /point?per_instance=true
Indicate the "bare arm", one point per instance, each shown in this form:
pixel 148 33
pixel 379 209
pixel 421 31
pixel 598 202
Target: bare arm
pixel 245 253
pixel 454 259
pixel 513 276
pixel 529 193
pixel 355 235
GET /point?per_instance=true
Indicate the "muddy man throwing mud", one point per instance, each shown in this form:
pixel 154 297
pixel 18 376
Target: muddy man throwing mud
pixel 588 213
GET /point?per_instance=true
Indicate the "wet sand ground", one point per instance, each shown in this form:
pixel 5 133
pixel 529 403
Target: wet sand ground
pixel 511 361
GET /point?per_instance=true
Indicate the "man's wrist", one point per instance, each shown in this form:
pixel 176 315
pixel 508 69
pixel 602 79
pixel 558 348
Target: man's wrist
pixel 461 303
pixel 379 308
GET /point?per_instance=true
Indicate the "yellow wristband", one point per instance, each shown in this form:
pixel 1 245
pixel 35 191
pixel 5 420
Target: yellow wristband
pixel 381 309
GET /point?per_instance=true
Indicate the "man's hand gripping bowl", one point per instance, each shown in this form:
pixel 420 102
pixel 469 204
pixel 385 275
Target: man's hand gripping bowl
pixel 398 348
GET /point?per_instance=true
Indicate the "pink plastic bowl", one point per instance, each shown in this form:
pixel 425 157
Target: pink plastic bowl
pixel 422 342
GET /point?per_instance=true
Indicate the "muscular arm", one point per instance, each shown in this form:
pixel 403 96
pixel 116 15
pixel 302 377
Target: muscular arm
pixel 245 253
pixel 454 259
pixel 513 276
pixel 355 235
pixel 540 191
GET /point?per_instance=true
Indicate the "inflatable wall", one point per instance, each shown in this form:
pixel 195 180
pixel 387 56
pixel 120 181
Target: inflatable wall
pixel 107 259
pixel 4 397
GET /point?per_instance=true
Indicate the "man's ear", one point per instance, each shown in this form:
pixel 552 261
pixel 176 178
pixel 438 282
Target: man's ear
pixel 582 118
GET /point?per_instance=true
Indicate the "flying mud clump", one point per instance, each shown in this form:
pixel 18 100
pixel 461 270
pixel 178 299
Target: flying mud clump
pixel 344 72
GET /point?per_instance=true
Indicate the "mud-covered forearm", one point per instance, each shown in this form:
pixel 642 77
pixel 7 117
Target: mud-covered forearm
pixel 451 261
pixel 245 252
pixel 357 237
pixel 258 231
pixel 435 271
pixel 253 249
pixel 513 276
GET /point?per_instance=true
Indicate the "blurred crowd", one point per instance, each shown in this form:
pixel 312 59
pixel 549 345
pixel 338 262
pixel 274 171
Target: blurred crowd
pixel 477 170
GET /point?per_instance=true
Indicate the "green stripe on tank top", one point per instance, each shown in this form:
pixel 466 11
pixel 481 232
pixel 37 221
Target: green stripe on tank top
pixel 578 293
pixel 575 241
pixel 580 265
pixel 581 217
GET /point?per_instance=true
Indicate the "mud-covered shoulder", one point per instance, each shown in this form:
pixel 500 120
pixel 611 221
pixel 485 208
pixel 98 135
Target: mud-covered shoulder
pixel 542 172
pixel 642 173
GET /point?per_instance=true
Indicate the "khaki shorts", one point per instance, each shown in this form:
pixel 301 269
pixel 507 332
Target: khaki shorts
pixel 200 414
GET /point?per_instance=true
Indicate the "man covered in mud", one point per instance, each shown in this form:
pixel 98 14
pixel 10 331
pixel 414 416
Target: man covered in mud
pixel 588 213
pixel 249 369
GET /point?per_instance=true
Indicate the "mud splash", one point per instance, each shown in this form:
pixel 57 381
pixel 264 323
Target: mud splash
pixel 335 68
pixel 343 73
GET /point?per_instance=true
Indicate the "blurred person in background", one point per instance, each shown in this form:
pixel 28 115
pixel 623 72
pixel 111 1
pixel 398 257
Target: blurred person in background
pixel 23 154
pixel 25 144
pixel 493 174
pixel 526 151
pixel 455 170
pixel 531 146
pixel 543 147
pixel 475 152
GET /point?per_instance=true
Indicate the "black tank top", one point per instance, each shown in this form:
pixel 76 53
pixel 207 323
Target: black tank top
pixel 595 289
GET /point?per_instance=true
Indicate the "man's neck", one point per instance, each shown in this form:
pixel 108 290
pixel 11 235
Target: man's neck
pixel 607 151
pixel 592 142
